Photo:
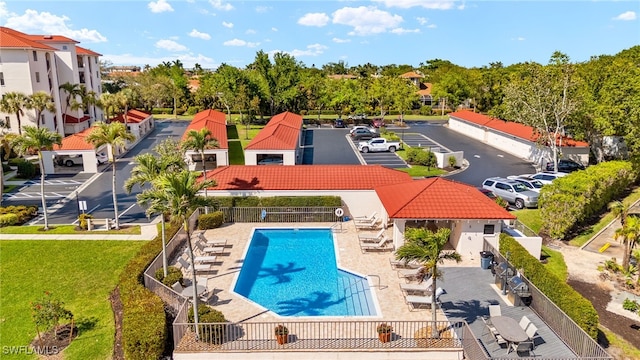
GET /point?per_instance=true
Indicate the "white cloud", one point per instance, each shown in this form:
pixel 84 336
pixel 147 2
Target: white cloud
pixel 262 9
pixel 341 41
pixel 250 31
pixel 33 22
pixel 238 42
pixel 188 60
pixel 312 50
pixel 626 16
pixel 404 31
pixel 220 5
pixel 200 35
pixel 227 24
pixel 422 20
pixel 520 38
pixel 432 26
pixel 159 6
pixel 275 29
pixel 314 19
pixel 366 20
pixel 170 45
pixel 4 13
pixel 427 4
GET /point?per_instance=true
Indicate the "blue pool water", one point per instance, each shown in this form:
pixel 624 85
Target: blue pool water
pixel 293 272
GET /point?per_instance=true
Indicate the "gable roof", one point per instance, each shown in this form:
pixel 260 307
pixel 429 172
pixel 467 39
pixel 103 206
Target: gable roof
pixel 280 133
pixel 438 198
pixel 425 89
pixel 10 38
pixel 133 116
pixel 305 177
pixel 512 128
pixel 68 119
pixel 83 51
pixel 213 120
pixel 51 39
pixel 77 141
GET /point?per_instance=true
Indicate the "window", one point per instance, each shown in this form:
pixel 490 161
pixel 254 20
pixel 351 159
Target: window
pixel 35 56
pixel 7 122
pixel 489 229
pixel 64 47
pixel 1 78
pixel 37 77
pixel 502 186
pixel 488 183
pixel 42 119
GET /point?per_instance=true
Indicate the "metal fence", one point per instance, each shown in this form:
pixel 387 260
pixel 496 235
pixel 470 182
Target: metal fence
pixel 524 229
pixel 317 335
pixel 280 214
pixel 573 335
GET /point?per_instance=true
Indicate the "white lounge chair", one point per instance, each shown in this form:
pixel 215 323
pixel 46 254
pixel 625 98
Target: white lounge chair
pixel 379 246
pixel 524 322
pixel 370 224
pixel 205 250
pixel 401 264
pixel 371 237
pixel 409 274
pixel 424 288
pixel 416 302
pixel 532 333
pixel 207 259
pixel 365 218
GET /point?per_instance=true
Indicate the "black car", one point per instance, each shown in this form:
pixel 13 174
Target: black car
pixel 339 123
pixel 565 166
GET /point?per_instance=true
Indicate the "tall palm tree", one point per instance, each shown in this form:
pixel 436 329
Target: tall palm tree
pixel 125 99
pixel 108 103
pixel 35 139
pixel 14 103
pixel 148 168
pixel 6 145
pixel 618 208
pixel 72 90
pixel 200 140
pixel 177 195
pixel 427 247
pixel 113 135
pixel 630 236
pixel 40 101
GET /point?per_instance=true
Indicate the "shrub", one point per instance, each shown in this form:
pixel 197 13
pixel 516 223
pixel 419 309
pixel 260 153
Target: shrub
pixel 425 110
pixel 83 220
pixel 8 219
pixel 6 168
pixel 211 220
pixel 173 275
pixel 631 305
pixel 14 161
pixel 22 212
pixel 384 328
pixel 281 330
pixel 26 169
pixel 452 161
pixel 213 334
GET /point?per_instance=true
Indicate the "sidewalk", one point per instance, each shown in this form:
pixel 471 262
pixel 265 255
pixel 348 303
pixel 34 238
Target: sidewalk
pixel 147 232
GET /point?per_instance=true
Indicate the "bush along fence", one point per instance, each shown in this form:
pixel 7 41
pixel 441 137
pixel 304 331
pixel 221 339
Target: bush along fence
pixel 277 209
pixel 572 199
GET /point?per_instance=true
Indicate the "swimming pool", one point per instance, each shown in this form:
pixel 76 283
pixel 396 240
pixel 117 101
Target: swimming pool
pixel 294 272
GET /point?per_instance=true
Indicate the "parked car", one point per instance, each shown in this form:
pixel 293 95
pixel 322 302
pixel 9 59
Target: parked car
pixel 532 184
pixel 102 158
pixel 363 134
pixel 548 176
pixel 270 161
pixel 363 127
pixel 377 122
pixel 339 123
pixel 378 144
pixel 512 192
pixel 565 166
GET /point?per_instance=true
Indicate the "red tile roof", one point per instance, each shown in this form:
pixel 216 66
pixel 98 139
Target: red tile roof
pixel 133 116
pixel 83 51
pixel 10 38
pixel 51 39
pixel 411 75
pixel 281 133
pixel 305 177
pixel 512 128
pixel 213 120
pixel 68 119
pixel 76 141
pixel 425 89
pixel 438 198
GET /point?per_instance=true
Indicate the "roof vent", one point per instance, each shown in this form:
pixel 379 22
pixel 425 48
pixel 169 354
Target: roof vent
pixel 48 37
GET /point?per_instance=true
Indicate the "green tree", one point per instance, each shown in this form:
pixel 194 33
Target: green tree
pixel 618 208
pixel 176 193
pixel 37 140
pixel 47 313
pixel 126 99
pixel 40 101
pixel 14 103
pixel 114 135
pixel 6 146
pixel 199 141
pixel 629 235
pixel 72 91
pixel 427 247
pixel 404 95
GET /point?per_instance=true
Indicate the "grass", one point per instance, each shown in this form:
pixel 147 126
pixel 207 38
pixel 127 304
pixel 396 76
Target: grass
pixel 629 351
pixel 236 155
pixel 66 230
pixel 79 273
pixel 245 135
pixel 418 170
pixel 531 218
pixel 555 263
pixel 8 188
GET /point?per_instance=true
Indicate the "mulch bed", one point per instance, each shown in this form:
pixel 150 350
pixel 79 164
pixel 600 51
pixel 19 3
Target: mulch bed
pixel 116 305
pixel 48 344
pixel 625 327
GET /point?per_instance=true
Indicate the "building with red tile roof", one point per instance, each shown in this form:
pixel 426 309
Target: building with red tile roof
pixel 139 123
pixel 424 89
pixel 280 139
pixel 515 138
pixel 216 122
pixel 41 63
pixel 76 147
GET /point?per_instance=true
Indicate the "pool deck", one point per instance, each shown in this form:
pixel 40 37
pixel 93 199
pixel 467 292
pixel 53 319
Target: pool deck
pixel 238 309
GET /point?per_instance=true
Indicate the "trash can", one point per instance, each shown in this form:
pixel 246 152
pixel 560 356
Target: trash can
pixel 486 258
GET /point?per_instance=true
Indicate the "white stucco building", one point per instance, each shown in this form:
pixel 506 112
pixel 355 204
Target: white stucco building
pixel 42 63
pixel 216 122
pixel 279 141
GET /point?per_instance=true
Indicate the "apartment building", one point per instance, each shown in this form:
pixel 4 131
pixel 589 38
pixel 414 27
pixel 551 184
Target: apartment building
pixel 34 63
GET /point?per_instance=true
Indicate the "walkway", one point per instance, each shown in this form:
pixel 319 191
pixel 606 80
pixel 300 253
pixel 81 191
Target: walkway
pixel 147 232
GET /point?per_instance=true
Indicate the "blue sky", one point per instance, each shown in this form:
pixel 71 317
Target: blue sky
pixel 381 32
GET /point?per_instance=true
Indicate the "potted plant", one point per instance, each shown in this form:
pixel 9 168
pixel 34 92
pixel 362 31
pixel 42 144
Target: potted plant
pixel 282 333
pixel 384 332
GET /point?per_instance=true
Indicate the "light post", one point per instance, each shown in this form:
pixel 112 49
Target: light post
pixel 506 273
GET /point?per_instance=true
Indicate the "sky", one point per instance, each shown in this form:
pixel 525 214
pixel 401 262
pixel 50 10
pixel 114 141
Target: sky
pixel 380 32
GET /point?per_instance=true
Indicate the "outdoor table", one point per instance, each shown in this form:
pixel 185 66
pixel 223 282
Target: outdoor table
pixel 188 291
pixel 509 329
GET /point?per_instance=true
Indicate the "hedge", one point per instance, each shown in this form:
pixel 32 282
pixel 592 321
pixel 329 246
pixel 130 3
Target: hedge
pixel 210 221
pixel 20 214
pixel 573 199
pixel 144 326
pixel 564 296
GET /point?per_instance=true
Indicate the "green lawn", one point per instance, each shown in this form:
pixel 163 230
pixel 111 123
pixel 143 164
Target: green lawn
pixel 530 217
pixel 253 131
pixel 66 230
pixel 79 273
pixel 555 263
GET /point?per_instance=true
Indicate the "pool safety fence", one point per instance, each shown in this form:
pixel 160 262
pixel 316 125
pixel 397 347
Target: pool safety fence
pixel 319 335
pixel 280 214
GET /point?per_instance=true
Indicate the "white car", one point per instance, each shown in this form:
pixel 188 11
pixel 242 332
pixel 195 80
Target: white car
pixel 270 161
pixel 528 181
pixel 355 128
pixel 102 158
pixel 547 177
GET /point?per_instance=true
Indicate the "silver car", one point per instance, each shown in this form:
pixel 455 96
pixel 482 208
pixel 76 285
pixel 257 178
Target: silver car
pixel 512 191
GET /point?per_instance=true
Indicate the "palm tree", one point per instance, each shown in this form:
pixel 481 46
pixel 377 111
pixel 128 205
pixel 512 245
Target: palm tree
pixel 148 168
pixel 177 195
pixel 125 99
pixel 630 236
pixel 40 101
pixel 6 145
pixel 35 139
pixel 427 247
pixel 14 103
pixel 113 135
pixel 108 102
pixel 72 90
pixel 200 141
pixel 618 208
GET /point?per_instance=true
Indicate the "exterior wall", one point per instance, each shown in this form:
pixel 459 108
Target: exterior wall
pixel 288 156
pixel 469 130
pixel 221 159
pixel 580 155
pixel 443 158
pixel 89 160
pixel 75 128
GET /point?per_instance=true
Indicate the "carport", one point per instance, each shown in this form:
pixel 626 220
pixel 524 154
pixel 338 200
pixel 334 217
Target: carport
pixel 74 149
pixel 277 143
pixel 216 122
